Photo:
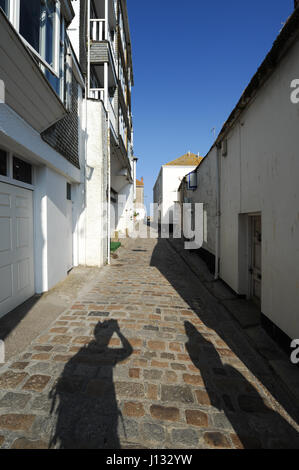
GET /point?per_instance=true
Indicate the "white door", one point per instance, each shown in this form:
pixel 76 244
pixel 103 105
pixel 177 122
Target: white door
pixel 16 247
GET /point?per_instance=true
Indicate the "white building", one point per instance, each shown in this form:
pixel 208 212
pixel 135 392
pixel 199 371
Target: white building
pixel 41 150
pixel 106 62
pixel 140 210
pixel 248 183
pixel 168 182
pixel 65 139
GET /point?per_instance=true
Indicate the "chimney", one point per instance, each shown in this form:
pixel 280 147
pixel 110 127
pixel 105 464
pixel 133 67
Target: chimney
pixel 296 4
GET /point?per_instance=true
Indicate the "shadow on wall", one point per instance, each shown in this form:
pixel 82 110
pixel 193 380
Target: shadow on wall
pixel 84 399
pixel 227 390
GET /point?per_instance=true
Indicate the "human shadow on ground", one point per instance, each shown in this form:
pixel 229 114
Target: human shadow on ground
pixel 84 399
pixel 256 425
pixel 213 316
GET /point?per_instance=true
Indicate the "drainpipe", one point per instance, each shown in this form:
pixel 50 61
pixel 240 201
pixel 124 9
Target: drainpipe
pixel 87 87
pixel 88 48
pixel 109 194
pixel 218 213
pixel 85 164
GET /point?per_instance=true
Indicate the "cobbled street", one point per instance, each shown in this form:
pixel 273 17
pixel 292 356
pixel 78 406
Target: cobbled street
pixel 146 359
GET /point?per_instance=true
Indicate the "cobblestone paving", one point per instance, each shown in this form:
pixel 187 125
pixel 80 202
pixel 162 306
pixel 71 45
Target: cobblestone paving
pixel 141 362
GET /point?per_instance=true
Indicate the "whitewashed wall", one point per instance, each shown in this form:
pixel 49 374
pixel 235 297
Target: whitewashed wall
pixel 172 177
pixel 52 238
pixel 57 241
pixel 94 224
pixel 126 209
pixel 206 194
pixel 260 174
pixel 157 191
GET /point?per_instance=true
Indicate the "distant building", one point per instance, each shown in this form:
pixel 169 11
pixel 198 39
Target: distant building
pixel 140 191
pixel 168 182
pixel 139 201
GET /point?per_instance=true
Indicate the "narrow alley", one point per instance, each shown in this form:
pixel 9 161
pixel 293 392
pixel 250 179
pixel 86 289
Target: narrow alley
pixel 147 359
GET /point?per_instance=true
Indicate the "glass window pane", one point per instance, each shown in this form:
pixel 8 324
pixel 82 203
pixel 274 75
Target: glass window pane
pixel 3 162
pixel 54 81
pixel 4 5
pixel 22 171
pixel 47 26
pixel 68 191
pixel 37 19
pixel 30 24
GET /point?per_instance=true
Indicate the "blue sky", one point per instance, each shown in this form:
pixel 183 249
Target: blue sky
pixel 192 61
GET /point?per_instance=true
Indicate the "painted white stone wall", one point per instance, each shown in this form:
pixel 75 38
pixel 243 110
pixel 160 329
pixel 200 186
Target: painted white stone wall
pixel 94 223
pixel 57 241
pixel 260 174
pixel 171 179
pixel 206 194
pixel 126 209
pixel 158 189
pixel 53 237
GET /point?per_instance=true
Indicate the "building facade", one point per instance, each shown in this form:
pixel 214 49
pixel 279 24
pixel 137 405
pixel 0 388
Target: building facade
pixel 41 150
pixel 140 211
pixel 101 39
pixel 66 139
pixel 248 183
pixel 167 184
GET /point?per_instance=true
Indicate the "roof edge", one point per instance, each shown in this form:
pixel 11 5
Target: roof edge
pixel 281 45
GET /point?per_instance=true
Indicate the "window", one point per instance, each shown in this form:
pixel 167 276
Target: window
pixel 68 191
pixel 4 5
pixel 37 26
pixel 42 26
pixel 22 171
pixel 3 163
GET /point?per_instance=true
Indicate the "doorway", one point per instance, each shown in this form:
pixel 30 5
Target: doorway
pixel 255 258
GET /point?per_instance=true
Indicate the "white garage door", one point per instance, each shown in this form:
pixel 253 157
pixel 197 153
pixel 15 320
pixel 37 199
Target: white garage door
pixel 16 247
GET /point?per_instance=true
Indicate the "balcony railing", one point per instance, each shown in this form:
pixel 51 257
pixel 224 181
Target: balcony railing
pixel 97 30
pixel 98 33
pixel 97 93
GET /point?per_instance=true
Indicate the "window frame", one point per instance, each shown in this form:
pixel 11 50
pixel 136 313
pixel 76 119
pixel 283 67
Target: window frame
pixel 62 52
pixel 8 179
pixel 68 191
pixel 14 17
pixel 7 161
pixel 21 160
